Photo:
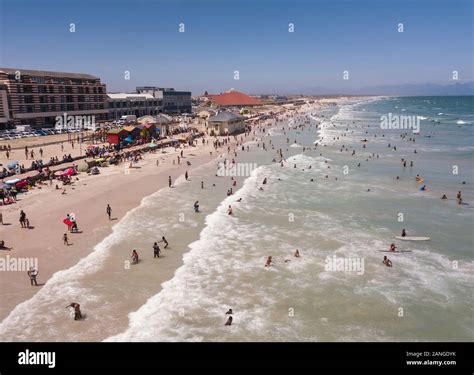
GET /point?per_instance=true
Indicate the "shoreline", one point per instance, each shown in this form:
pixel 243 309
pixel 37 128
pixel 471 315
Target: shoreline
pixel 46 219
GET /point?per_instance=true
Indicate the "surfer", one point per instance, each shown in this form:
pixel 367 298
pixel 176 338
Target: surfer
pixel 387 261
pixel 269 261
pixel 77 310
pixel 393 247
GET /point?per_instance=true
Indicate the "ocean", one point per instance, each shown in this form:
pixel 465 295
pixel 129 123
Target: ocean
pixel 337 208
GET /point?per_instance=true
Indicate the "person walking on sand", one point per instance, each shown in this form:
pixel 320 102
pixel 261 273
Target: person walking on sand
pixel 169 181
pixel 156 250
pixel 77 310
pixel 65 239
pixel 109 211
pixel 196 206
pixel 22 218
pixel 202 184
pixel 186 175
pixel 32 273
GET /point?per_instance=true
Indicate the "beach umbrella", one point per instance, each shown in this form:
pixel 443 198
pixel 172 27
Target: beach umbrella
pixel 12 165
pixel 82 167
pixel 12 182
pixel 68 172
pixel 21 183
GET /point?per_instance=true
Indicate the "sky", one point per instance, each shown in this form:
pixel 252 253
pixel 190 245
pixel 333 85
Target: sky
pixel 250 36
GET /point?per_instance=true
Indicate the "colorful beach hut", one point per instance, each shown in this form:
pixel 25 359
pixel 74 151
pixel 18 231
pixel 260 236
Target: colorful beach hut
pixel 133 131
pixel 115 136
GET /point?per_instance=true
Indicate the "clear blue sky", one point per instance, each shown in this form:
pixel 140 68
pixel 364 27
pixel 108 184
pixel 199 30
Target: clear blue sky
pixel 249 36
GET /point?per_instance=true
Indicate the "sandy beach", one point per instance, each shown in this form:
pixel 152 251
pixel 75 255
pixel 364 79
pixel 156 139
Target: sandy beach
pixel 119 186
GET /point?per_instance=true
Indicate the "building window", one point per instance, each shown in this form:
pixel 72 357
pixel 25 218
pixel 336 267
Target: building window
pixel 28 99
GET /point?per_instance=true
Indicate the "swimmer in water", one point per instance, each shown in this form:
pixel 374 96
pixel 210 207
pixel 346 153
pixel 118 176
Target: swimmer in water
pixel 229 321
pixel 269 261
pixel 296 254
pixel 77 310
pixel 444 196
pixel 404 233
pixel 387 261
pixel 134 256
pixel 229 312
pixel 229 210
pixel 392 247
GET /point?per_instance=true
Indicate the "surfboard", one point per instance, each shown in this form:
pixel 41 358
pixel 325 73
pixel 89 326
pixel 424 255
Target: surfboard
pixel 395 252
pixel 412 238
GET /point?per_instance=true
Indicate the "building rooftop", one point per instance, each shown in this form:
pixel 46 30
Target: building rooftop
pixel 45 73
pixel 236 98
pixel 129 96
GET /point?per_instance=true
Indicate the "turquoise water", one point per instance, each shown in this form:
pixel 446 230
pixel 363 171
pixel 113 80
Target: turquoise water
pixel 426 295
